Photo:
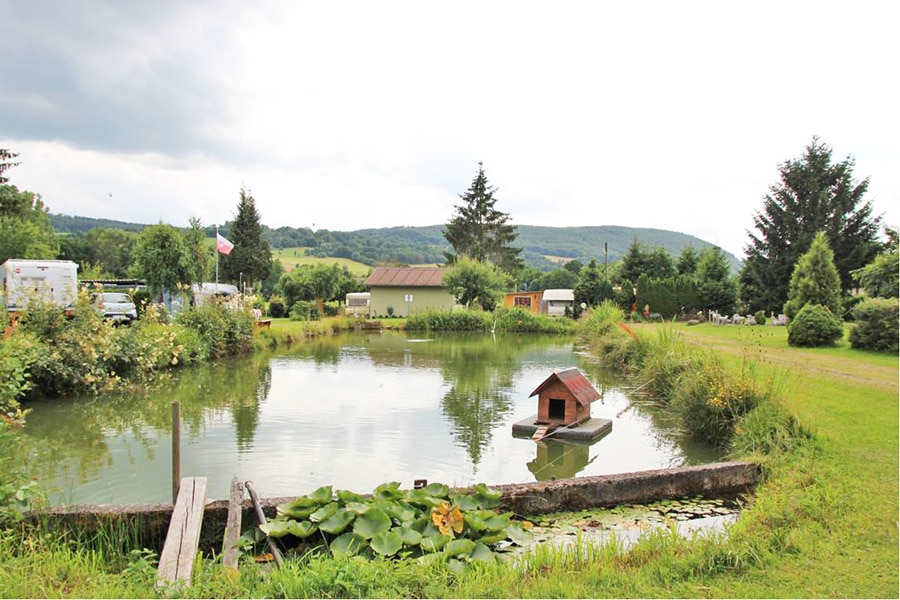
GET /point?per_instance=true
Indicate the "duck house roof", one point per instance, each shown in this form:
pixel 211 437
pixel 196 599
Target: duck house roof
pixel 574 381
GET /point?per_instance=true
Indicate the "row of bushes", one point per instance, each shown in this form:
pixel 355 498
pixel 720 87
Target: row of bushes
pixel 876 326
pixel 728 410
pixel 512 320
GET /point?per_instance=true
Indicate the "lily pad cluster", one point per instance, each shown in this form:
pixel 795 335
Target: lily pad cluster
pixel 431 522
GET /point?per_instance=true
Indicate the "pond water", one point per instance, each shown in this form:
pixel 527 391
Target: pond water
pixel 352 411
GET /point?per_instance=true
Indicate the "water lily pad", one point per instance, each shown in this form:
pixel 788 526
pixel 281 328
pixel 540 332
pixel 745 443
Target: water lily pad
pixel 482 553
pixel 433 543
pixel 386 543
pixel 410 536
pixel 337 522
pixel 388 491
pixel 371 522
pixel 459 546
pixel 302 529
pixel 324 512
pixel 349 543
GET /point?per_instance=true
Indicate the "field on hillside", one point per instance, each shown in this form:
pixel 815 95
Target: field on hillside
pixel 291 258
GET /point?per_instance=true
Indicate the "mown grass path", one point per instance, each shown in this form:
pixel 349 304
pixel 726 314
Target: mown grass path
pixel 849 399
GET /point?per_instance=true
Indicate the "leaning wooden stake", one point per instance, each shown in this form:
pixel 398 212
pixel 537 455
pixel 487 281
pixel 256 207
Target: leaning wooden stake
pixel 233 525
pixel 262 521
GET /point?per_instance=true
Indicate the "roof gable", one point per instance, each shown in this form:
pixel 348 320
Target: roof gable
pixel 406 277
pixel 574 381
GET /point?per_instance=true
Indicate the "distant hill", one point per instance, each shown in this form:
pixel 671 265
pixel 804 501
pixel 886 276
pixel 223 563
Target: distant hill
pixel 542 247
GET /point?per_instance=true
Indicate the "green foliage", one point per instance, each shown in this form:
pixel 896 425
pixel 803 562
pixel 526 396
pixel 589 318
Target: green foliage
pixel 163 259
pixel 277 307
pixel 760 317
pixel 815 280
pixel 476 283
pixel 592 288
pixel 641 260
pixel 304 310
pixel 813 194
pixel 716 287
pixel 25 230
pixel 876 325
pixel 881 277
pixel 481 232
pixel 456 320
pixel 433 522
pixel 814 325
pixel 225 331
pixel 251 257
pixel 517 320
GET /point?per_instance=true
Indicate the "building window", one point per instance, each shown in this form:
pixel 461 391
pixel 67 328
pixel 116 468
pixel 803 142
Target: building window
pixel 522 302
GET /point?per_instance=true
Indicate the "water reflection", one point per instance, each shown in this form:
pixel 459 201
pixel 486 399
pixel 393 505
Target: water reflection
pixel 351 411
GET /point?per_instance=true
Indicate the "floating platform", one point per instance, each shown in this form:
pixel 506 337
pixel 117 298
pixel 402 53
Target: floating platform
pixel 587 431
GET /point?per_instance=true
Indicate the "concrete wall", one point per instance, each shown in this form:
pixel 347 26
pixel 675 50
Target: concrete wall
pixel 714 480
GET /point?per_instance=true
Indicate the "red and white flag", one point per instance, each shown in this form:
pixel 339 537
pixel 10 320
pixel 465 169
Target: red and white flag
pixel 223 245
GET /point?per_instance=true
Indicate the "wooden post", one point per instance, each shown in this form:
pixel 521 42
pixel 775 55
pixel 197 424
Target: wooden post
pixel 176 449
pixel 233 525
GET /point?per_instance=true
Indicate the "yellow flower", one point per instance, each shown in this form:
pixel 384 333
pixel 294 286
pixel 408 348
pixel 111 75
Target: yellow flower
pixel 448 520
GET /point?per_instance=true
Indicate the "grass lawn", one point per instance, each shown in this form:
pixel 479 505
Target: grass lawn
pixel 291 258
pixel 824 523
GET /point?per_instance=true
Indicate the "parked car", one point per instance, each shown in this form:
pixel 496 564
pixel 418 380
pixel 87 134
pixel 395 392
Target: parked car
pixel 117 306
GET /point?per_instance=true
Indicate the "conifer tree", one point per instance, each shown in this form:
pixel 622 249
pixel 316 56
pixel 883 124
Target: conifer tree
pixel 814 194
pixel 250 260
pixel 815 280
pixel 481 232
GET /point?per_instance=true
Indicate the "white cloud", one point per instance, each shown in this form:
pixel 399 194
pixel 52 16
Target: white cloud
pixel 672 116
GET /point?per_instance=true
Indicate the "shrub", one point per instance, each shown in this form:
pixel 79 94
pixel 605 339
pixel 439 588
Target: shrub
pixel 304 310
pixel 519 320
pixel 760 317
pixel 814 325
pixel 277 309
pixel 876 325
pixel 224 331
pixel 446 320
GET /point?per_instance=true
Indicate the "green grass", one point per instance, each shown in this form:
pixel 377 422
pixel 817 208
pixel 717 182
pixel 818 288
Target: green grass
pixel 823 523
pixel 291 258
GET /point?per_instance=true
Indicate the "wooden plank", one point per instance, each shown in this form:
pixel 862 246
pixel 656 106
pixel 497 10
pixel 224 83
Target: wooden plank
pixel 233 525
pixel 176 562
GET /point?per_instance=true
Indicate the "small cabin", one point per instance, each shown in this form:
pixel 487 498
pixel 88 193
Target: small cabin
pixel 557 303
pixel 565 398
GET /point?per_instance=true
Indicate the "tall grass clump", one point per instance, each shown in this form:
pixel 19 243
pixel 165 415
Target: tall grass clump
pixel 604 326
pixel 517 320
pixel 445 320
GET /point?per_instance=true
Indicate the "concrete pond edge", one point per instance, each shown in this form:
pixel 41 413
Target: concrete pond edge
pixel 151 521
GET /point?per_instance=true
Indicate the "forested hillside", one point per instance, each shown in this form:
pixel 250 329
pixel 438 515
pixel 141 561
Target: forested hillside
pixel 542 246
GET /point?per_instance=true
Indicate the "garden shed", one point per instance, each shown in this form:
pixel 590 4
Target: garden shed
pixel 556 302
pixel 564 398
pixel 401 291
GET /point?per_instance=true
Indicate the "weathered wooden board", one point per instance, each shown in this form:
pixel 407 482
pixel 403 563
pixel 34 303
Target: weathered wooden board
pixel 233 525
pixel 176 562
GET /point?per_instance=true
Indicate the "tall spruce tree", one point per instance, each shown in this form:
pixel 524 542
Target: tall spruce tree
pixel 814 194
pixel 250 260
pixel 481 232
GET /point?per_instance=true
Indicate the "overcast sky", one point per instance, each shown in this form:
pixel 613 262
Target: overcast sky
pixel 350 115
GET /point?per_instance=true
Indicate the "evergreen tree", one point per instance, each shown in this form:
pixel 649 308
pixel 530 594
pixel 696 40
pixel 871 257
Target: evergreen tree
pixel 481 232
pixel 640 260
pixel 251 257
pixel 815 280
pixel 716 287
pixel 687 261
pixel 813 194
pixel 592 288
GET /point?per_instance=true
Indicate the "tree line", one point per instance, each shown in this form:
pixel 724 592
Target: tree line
pixel 814 195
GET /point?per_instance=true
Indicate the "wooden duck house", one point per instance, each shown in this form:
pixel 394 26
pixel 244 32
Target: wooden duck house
pixel 565 398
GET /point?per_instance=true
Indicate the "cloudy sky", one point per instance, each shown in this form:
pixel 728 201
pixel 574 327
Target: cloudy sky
pixel 350 115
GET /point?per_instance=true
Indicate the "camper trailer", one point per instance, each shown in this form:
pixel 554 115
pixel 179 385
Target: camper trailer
pixel 357 304
pixel 25 281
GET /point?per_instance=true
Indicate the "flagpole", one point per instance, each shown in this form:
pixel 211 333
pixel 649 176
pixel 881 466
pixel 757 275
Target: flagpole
pixel 216 250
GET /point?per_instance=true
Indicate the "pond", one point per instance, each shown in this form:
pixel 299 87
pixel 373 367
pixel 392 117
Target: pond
pixel 352 411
